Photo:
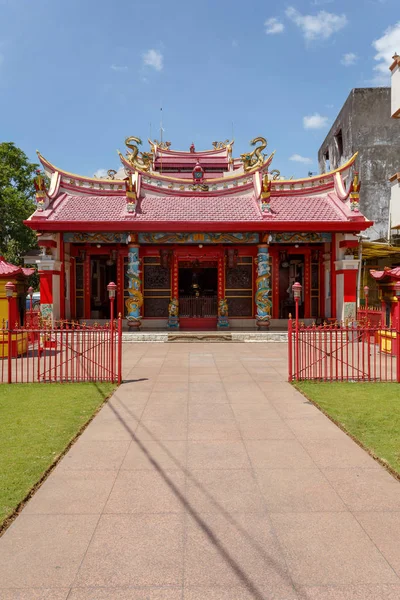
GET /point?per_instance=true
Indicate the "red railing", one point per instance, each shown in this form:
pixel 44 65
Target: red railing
pixel 371 315
pixel 61 352
pixel 203 306
pixel 351 351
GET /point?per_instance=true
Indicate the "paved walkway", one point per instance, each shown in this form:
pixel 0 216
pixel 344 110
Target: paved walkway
pixel 207 477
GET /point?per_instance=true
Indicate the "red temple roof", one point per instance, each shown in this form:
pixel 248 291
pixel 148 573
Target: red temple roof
pixel 9 270
pixel 68 209
pixel 386 273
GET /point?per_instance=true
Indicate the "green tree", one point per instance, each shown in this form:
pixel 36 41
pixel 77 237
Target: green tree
pixel 17 192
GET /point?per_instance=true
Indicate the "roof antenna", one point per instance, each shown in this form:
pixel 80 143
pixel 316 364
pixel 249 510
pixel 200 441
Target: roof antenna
pixel 161 137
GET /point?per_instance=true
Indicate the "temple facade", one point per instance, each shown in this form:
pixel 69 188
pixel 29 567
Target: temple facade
pixel 197 239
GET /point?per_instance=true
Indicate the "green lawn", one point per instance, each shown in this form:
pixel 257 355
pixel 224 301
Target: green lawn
pixel 37 422
pixel 368 411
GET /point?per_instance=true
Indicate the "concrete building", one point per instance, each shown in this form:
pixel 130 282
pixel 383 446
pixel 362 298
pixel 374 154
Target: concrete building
pixel 395 175
pixel 364 125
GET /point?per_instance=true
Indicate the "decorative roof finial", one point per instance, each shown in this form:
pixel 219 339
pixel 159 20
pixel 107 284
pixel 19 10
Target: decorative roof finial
pixel 192 148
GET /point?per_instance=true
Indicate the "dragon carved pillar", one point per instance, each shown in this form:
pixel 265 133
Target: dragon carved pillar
pixel 134 301
pixel 263 287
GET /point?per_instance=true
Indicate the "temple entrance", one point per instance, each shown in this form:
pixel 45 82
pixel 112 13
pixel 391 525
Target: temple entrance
pixel 198 296
pixel 103 270
pixel 291 269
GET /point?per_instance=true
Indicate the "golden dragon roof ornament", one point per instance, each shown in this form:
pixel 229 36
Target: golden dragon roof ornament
pixel 255 158
pixel 142 160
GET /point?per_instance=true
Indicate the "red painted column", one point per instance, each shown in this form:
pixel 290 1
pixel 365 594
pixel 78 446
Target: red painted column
pixel 62 277
pixel 321 288
pixel 350 285
pixel 86 279
pixel 175 277
pixel 307 284
pixel 221 277
pixel 333 277
pixel 72 288
pixel 120 285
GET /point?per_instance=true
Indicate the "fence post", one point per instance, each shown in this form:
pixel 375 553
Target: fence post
pixel 10 289
pixel 290 349
pixel 119 350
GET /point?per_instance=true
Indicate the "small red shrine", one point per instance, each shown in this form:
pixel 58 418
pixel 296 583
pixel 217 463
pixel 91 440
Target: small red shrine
pixel 198 239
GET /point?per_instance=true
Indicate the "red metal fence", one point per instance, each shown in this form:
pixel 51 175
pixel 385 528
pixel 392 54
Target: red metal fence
pixel 353 351
pixel 61 352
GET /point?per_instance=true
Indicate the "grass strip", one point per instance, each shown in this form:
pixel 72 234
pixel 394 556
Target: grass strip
pixel 369 412
pixel 37 423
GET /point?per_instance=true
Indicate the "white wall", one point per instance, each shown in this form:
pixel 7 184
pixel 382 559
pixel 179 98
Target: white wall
pixel 395 202
pixel 396 92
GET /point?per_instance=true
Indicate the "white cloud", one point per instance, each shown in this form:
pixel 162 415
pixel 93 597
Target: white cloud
pixel 385 47
pixel 119 67
pixel 349 59
pixel 153 58
pixel 273 25
pixel 315 121
pixel 320 26
pixel 100 173
pixel 301 159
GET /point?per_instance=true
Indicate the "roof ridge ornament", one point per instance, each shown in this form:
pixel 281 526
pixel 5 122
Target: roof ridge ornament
pixel 254 159
pixel 142 160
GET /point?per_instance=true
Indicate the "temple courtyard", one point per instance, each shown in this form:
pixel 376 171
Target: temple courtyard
pixel 208 476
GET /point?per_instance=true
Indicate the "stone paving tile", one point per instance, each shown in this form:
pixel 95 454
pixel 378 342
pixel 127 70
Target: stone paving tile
pixel 384 530
pixel 330 549
pixel 44 550
pixel 278 454
pixel 255 412
pixel 141 550
pixel 240 593
pixel 207 393
pixel 126 593
pixel 146 492
pixel 72 492
pixel 316 427
pixel 110 430
pixel 217 455
pixel 168 455
pixel 167 411
pixel 265 429
pixel 365 489
pixel 218 491
pixel 298 490
pixel 35 594
pixel 99 455
pixel 241 552
pixel 159 429
pixel 350 592
pixel 328 453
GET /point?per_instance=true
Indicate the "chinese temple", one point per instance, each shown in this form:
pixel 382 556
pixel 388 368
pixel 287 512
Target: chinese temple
pixel 197 239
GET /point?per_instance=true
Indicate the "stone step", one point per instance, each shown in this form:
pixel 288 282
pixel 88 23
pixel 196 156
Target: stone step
pixel 205 336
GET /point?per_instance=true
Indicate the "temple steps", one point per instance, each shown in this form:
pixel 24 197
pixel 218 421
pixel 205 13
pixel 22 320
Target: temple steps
pixel 205 336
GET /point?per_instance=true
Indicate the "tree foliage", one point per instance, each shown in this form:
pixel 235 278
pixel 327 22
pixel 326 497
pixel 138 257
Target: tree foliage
pixel 17 191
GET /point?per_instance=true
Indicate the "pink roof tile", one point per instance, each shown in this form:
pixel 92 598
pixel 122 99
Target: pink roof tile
pixel 9 270
pixel 196 208
pixel 306 208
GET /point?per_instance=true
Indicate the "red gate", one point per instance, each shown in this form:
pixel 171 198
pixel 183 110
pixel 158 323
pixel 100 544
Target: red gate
pixel 351 351
pixel 61 352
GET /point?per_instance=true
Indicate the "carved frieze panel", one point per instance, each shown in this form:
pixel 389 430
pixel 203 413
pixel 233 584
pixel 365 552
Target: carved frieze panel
pixel 156 307
pixel 156 277
pixel 239 278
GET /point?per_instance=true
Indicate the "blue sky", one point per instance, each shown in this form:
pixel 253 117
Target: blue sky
pixel 78 76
